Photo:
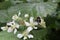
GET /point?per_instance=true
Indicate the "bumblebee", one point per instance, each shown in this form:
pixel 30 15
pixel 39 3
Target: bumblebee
pixel 38 20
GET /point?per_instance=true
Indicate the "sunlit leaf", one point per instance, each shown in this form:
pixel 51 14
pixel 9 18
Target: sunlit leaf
pixel 33 9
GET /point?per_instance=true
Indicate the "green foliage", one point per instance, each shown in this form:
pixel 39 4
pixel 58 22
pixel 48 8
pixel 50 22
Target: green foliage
pixel 1 0
pixel 54 0
pixel 5 5
pixel 7 36
pixel 10 36
pixel 41 9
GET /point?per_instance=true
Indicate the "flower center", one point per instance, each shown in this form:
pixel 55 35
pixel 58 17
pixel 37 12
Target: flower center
pixel 13 27
pixel 32 24
pixel 25 33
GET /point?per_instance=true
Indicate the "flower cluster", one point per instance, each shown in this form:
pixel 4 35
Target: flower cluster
pixel 17 21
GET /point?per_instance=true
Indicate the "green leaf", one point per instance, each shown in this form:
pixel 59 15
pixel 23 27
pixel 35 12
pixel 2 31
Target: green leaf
pixel 33 9
pixel 14 2
pixel 58 16
pixel 3 15
pixel 7 36
pixel 54 0
pixel 5 5
pixel 36 1
pixel 38 35
pixel 46 8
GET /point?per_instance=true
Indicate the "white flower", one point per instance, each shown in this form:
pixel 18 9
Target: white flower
pixel 26 34
pixel 9 29
pixel 15 17
pixel 12 27
pixel 4 28
pixel 32 23
pixel 13 24
pixel 15 31
pixel 26 15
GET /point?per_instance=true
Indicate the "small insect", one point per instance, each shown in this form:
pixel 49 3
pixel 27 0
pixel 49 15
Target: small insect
pixel 38 20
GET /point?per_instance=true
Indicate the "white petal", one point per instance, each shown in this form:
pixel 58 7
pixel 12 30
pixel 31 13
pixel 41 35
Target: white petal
pixel 27 24
pixel 25 38
pixel 15 17
pixel 35 23
pixel 31 19
pixel 35 27
pixel 19 13
pixel 17 26
pixel 26 15
pixel 15 31
pixel 9 29
pixel 19 35
pixel 13 22
pixel 30 36
pixel 9 23
pixel 29 29
pixel 3 28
